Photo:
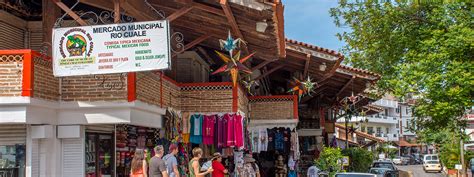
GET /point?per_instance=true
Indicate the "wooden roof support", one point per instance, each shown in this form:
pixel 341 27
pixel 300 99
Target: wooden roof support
pixel 233 24
pixel 278 14
pixel 306 66
pixel 334 68
pixel 261 65
pixel 195 42
pixel 207 8
pixel 116 11
pixel 179 13
pixel 70 12
pixel 269 72
pixel 138 9
pixel 346 85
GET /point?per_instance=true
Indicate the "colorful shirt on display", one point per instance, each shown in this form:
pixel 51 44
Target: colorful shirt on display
pixel 255 140
pixel 239 131
pixel 279 140
pixel 263 139
pixel 271 139
pixel 208 129
pixel 221 133
pixel 196 129
pixel 231 123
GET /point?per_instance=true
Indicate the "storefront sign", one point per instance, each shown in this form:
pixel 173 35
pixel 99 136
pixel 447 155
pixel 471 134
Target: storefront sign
pixel 115 48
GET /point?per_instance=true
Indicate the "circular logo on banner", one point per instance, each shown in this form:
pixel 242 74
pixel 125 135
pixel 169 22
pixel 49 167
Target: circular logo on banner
pixel 76 47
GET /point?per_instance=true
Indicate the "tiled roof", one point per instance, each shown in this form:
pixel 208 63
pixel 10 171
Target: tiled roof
pixel 319 49
pixel 362 134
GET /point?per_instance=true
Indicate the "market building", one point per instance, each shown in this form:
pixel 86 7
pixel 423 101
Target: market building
pixel 90 125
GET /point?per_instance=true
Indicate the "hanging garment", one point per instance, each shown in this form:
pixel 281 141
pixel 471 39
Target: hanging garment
pixel 221 133
pixel 255 140
pixel 295 149
pixel 271 139
pixel 196 129
pixel 279 140
pixel 231 130
pixel 185 127
pixel 286 139
pixel 208 129
pixel 263 139
pixel 239 131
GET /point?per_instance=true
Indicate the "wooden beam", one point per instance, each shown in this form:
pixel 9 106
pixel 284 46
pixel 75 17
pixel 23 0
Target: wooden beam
pixel 261 65
pixel 280 29
pixel 206 55
pixel 179 13
pixel 195 42
pixel 345 86
pixel 306 66
pixel 269 72
pixel 233 24
pixel 116 11
pixel 70 12
pixel 334 68
pixel 50 13
pixel 139 10
pixel 208 8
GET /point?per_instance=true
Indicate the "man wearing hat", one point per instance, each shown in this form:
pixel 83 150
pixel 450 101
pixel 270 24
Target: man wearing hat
pixel 219 169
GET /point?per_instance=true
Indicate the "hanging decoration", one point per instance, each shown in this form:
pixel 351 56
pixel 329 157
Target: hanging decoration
pixel 233 64
pixel 249 84
pixel 302 87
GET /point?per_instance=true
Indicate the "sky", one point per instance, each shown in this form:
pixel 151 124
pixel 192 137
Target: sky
pixel 309 21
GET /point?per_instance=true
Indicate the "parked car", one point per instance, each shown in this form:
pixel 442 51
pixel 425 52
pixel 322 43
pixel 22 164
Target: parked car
pixel 432 166
pixel 380 172
pixel 388 165
pixel 355 175
pixel 407 160
pixel 397 160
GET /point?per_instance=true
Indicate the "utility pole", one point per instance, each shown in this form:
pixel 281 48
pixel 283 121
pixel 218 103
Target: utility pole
pixel 347 132
pixel 401 130
pixel 462 156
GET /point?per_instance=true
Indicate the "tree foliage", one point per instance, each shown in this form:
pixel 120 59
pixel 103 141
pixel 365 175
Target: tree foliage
pixel 329 160
pixel 360 159
pixel 425 50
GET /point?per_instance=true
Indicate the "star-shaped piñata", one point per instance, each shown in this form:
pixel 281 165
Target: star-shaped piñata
pixel 302 88
pixel 230 44
pixel 234 65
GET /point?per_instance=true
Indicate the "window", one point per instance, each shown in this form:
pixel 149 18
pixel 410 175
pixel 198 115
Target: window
pixel 397 110
pixel 362 128
pixel 386 130
pixel 398 125
pixel 408 123
pixel 386 112
pixel 407 110
pixel 370 130
pixel 379 130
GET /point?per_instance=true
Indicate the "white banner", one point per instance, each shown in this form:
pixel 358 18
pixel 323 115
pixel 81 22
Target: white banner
pixel 114 48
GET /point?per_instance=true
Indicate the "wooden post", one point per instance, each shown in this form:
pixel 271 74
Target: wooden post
pixel 50 13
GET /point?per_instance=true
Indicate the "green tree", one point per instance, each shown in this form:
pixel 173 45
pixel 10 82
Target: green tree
pixel 425 50
pixel 360 159
pixel 329 160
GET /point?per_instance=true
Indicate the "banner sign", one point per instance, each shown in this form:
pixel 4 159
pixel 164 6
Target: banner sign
pixel 114 48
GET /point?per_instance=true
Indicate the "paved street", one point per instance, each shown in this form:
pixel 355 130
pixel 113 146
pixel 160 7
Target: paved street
pixel 418 171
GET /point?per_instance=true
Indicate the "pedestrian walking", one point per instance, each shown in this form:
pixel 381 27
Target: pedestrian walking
pixel 194 164
pixel 139 164
pixel 158 165
pixel 171 161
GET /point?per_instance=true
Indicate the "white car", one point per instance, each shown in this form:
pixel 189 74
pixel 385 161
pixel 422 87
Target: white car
pixel 397 160
pixel 432 166
pixel 430 157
